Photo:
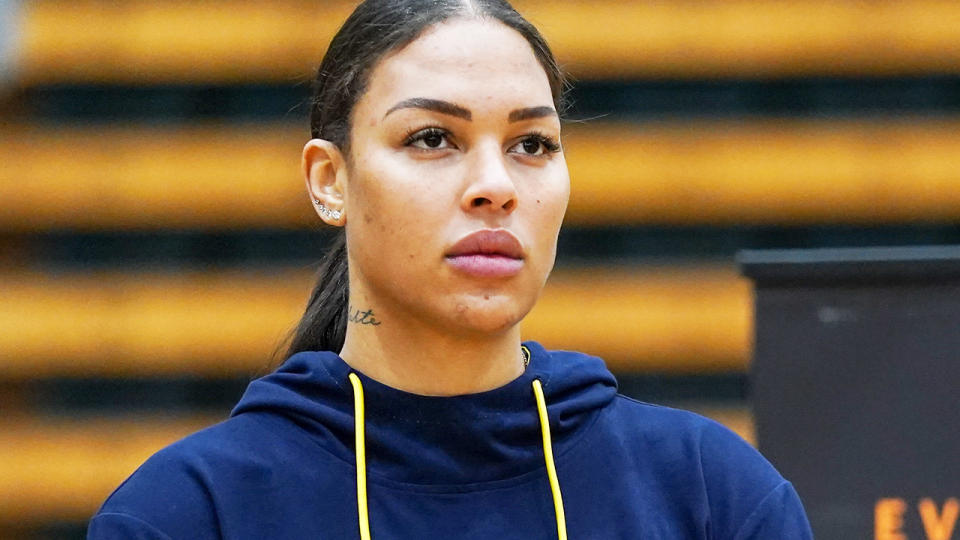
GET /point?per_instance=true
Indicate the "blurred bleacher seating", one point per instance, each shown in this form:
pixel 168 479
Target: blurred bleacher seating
pixel 156 242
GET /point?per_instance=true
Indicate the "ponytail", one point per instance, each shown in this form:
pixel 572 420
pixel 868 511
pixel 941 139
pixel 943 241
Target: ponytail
pixel 324 325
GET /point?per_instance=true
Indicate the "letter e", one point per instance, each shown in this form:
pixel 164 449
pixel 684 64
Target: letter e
pixel 888 516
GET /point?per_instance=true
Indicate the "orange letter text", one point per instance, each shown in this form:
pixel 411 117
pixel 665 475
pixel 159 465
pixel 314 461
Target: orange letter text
pixel 888 516
pixel 939 527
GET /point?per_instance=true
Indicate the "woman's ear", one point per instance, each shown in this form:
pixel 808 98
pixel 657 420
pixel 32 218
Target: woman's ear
pixel 324 169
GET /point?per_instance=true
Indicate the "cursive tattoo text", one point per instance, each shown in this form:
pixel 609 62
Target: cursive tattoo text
pixel 362 317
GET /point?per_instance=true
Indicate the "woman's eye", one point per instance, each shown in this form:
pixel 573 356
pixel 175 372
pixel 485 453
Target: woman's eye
pixel 531 146
pixel 429 139
pixel 536 145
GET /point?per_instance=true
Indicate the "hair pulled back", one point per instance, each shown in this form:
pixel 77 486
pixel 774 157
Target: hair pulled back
pixel 374 29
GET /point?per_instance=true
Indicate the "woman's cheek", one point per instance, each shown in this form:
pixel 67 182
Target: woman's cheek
pixel 552 205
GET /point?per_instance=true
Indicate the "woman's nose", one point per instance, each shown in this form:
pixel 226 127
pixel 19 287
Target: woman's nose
pixel 489 184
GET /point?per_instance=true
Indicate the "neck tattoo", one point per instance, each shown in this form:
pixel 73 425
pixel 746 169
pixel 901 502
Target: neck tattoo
pixel 362 317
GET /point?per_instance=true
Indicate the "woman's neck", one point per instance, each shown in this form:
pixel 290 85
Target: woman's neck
pixel 422 359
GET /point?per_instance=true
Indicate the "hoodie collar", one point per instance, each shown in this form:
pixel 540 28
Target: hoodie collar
pixel 429 440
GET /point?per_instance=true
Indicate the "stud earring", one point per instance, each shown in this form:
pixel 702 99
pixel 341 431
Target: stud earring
pixel 326 212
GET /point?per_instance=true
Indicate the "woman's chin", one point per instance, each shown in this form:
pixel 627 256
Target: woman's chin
pixel 489 314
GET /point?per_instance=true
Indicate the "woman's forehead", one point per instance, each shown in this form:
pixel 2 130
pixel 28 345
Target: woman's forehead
pixel 464 61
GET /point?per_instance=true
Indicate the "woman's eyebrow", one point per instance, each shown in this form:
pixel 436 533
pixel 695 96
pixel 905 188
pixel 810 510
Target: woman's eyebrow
pixel 531 112
pixel 437 105
pixel 452 109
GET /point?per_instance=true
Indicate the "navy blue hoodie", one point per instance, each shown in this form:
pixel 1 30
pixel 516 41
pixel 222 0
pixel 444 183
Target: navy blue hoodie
pixel 464 467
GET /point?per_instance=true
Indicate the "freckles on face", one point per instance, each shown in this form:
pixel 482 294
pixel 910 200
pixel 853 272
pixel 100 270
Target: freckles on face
pixel 456 133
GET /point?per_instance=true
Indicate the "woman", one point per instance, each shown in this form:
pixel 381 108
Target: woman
pixel 408 407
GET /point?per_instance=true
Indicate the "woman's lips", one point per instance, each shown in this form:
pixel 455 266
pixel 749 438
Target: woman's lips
pixel 487 253
pixel 482 265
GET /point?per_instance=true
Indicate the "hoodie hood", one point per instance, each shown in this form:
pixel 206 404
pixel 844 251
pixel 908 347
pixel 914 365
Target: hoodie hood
pixel 434 441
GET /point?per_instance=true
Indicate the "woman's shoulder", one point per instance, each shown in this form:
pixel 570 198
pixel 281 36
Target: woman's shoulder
pixel 166 493
pixel 746 495
pixel 670 420
pixel 713 445
pixel 170 494
pixel 236 440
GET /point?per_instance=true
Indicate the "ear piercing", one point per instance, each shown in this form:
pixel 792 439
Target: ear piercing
pixel 326 212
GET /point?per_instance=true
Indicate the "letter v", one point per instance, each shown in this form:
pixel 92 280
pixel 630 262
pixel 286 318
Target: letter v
pixel 939 527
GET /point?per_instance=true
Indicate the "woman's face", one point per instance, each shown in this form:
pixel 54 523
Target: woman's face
pixel 456 135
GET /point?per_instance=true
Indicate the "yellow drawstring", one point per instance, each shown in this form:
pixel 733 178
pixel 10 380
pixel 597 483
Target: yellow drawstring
pixel 362 459
pixel 548 456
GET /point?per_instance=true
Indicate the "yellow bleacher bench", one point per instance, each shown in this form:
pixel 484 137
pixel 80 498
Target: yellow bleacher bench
pixel 61 470
pixel 785 172
pixel 229 41
pixel 669 319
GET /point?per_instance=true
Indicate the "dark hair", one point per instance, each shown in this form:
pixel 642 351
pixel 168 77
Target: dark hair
pixel 375 28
